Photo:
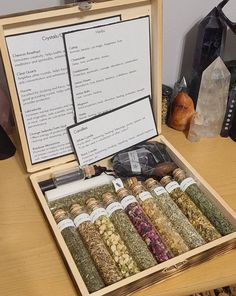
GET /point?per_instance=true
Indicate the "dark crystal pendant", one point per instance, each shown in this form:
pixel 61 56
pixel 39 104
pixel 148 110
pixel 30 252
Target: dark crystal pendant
pixel 210 45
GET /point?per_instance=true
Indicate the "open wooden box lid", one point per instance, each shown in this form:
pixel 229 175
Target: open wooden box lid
pixel 68 16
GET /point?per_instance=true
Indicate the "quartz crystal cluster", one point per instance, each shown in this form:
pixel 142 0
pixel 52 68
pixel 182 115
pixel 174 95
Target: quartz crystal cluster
pixel 212 102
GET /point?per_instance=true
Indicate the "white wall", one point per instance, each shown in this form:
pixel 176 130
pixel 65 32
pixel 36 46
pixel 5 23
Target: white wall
pixel 12 6
pixel 180 19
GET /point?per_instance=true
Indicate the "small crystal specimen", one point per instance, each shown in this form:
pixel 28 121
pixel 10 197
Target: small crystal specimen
pixel 166 96
pixel 142 224
pixel 190 210
pixel 211 106
pixel 210 45
pixel 203 203
pixel 180 86
pixel 136 246
pixel 175 215
pixel 78 251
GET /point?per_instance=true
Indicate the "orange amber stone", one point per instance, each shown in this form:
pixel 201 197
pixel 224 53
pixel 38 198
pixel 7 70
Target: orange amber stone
pixel 182 110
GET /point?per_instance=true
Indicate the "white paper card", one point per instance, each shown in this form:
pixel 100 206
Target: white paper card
pixel 107 134
pixel 40 70
pixel 109 66
pixel 186 183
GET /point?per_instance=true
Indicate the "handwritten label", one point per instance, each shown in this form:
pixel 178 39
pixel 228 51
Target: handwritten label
pixel 81 219
pixel 186 183
pixel 65 224
pixel 128 200
pixel 145 195
pixel 160 190
pixel 98 213
pixel 171 186
pixel 113 207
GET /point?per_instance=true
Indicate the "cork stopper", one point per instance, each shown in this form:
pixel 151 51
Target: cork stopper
pixel 121 193
pixel 108 198
pixel 75 210
pixel 179 175
pixel 166 180
pixel 92 204
pixel 60 215
pixel 89 171
pixel 137 189
pixel 150 182
pixel 131 182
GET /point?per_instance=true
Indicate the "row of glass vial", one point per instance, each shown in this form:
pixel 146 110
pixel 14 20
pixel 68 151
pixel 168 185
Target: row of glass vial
pixel 115 244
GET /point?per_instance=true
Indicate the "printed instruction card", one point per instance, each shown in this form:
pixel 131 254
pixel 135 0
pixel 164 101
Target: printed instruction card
pixel 106 134
pixel 109 66
pixel 41 76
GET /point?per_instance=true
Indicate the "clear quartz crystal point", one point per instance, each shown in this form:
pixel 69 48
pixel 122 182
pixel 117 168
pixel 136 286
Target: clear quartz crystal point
pixel 212 101
pixel 210 44
pixel 180 86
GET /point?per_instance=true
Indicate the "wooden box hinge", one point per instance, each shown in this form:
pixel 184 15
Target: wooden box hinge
pixel 84 5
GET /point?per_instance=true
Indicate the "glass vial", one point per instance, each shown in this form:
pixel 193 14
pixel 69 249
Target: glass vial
pixel 96 247
pixel 169 235
pixel 142 224
pixel 190 210
pixel 136 246
pixel 205 205
pixel 111 238
pixel 78 251
pixel 190 235
pixel 74 174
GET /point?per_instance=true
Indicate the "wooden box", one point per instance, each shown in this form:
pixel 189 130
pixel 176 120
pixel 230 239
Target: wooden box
pixel 70 15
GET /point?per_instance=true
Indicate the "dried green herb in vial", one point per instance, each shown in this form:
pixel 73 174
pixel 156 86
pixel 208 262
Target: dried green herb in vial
pixel 136 246
pixel 79 252
pixel 190 210
pixel 205 205
pixel 180 222
pixel 96 247
pixel 169 235
pixel 66 202
pixel 112 239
